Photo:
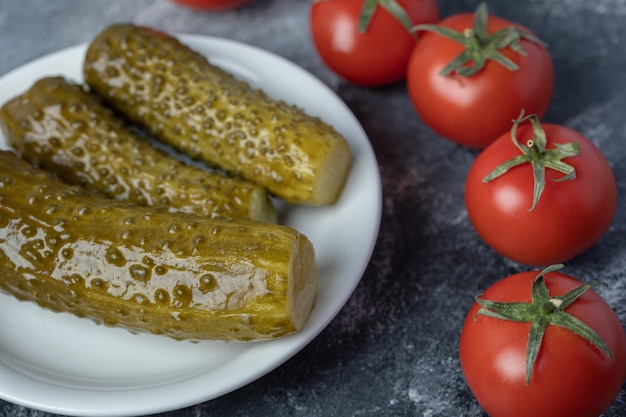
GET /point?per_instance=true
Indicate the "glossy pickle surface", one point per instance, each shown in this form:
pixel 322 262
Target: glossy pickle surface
pixel 60 127
pixel 149 270
pixel 182 99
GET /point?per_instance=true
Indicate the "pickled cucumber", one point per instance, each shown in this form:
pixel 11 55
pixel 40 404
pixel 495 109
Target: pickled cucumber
pixel 58 126
pixel 200 109
pixel 148 270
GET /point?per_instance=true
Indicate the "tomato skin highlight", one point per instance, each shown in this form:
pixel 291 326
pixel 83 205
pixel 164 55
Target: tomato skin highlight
pixel 570 217
pixel 377 57
pixel 211 5
pixel 474 111
pixel 572 378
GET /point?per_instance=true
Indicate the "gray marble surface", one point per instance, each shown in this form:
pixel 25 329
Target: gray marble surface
pixel 393 349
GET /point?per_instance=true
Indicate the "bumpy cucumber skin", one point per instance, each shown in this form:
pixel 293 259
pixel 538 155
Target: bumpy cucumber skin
pixel 149 270
pixel 58 126
pixel 206 112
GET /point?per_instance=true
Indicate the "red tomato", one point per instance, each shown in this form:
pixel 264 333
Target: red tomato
pixel 569 217
pixel 211 5
pixel 375 57
pixel 475 110
pixel 570 378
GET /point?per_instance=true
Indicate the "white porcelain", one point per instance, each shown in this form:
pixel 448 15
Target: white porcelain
pixel 66 365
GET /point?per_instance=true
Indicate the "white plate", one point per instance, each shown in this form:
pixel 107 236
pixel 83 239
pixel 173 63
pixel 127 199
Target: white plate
pixel 66 365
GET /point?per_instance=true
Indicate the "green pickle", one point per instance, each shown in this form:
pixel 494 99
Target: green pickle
pixel 182 99
pixel 147 270
pixel 60 127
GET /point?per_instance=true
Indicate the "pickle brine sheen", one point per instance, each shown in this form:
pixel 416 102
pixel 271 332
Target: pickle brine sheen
pixel 147 270
pixel 60 127
pixel 184 100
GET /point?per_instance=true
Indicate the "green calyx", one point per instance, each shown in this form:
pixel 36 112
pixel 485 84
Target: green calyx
pixel 544 310
pixel 392 6
pixel 479 46
pixel 535 153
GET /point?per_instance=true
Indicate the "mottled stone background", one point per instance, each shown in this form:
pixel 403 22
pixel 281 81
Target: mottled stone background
pixel 392 351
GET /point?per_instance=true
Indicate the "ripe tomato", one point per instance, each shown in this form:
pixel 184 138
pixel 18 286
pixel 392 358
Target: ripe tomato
pixel 570 377
pixel 376 56
pixel 473 110
pixel 569 216
pixel 211 5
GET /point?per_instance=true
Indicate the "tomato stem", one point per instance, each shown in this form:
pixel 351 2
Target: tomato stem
pixel 535 153
pixel 542 311
pixel 480 46
pixel 392 6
